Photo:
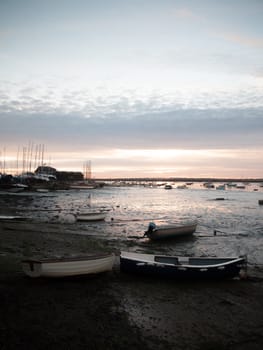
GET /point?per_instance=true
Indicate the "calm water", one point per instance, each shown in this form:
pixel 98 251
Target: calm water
pixel 238 218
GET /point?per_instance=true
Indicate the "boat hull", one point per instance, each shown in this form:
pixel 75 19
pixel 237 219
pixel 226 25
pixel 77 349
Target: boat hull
pixel 68 267
pixel 12 218
pixel 180 268
pixel 91 217
pixel 173 231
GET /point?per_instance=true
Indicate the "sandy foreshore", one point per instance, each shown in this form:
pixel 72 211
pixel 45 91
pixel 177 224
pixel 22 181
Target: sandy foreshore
pixel 115 310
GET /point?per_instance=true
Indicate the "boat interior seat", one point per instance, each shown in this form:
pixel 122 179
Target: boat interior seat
pixel 183 260
pixel 166 260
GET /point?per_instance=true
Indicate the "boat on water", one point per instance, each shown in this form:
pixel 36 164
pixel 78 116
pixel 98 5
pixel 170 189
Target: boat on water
pixel 13 188
pixel 156 232
pixel 209 185
pixel 12 218
pixel 82 187
pixel 168 187
pixel 182 187
pixel 221 187
pixel 183 267
pixel 91 216
pixel 66 267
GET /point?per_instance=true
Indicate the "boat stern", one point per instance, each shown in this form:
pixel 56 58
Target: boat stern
pixel 32 268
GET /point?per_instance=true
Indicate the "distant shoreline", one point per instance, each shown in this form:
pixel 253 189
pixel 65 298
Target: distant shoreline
pixel 181 179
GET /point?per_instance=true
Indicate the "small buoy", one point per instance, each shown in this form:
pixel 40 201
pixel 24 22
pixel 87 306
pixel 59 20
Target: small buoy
pixel 260 201
pixel 214 232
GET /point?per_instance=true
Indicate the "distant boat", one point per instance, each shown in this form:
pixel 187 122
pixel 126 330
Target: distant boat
pixel 240 186
pixel 91 216
pixel 231 184
pixel 42 190
pixel 168 187
pixel 12 218
pixel 183 267
pixel 156 232
pixel 82 187
pixel 221 187
pixel 182 187
pixel 13 188
pixel 209 185
pixel 65 267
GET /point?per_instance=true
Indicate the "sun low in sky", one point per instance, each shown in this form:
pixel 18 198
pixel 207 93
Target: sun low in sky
pixel 139 88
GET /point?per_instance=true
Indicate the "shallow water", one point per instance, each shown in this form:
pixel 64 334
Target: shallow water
pixel 235 215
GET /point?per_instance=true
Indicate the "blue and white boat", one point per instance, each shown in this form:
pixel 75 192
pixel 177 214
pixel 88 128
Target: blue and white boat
pixel 183 267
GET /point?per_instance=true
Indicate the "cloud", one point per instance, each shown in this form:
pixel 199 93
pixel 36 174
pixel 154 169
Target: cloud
pixel 178 129
pixel 185 13
pixel 242 39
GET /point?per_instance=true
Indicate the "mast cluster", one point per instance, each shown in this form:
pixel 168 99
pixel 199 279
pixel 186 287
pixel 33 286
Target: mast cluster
pixel 28 158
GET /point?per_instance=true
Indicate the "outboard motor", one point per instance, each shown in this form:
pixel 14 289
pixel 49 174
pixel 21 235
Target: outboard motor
pixel 151 227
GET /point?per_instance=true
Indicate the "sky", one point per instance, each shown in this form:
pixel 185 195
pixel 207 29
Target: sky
pixel 140 88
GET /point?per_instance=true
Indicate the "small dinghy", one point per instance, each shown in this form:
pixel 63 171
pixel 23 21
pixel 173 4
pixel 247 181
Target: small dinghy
pixel 91 216
pixel 183 267
pixel 12 218
pixel 65 267
pixel 156 232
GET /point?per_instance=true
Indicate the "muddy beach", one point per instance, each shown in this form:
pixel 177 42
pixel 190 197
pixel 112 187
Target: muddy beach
pixel 115 310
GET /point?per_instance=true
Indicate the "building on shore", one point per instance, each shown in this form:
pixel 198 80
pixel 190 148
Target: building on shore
pixel 65 176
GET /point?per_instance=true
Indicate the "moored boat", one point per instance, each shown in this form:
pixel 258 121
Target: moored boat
pixel 168 187
pixel 221 187
pixel 155 232
pixel 66 267
pixel 82 187
pixel 183 267
pixel 12 218
pixel 91 216
pixel 13 188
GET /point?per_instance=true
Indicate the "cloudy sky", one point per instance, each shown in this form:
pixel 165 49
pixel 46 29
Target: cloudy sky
pixel 137 87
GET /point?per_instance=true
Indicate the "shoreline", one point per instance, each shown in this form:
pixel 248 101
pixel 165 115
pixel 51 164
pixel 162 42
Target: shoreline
pixel 116 310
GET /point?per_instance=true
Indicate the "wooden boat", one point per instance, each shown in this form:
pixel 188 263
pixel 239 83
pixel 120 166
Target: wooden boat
pixel 91 216
pixel 155 232
pixel 183 267
pixel 65 267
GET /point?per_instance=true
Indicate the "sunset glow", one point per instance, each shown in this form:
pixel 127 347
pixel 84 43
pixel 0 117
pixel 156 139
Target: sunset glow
pixel 156 90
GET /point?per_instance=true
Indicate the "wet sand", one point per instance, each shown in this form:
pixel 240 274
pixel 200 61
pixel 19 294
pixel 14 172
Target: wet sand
pixel 116 310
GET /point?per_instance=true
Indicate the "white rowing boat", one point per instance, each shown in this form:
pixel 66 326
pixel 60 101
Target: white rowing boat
pixel 91 216
pixel 12 218
pixel 65 267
